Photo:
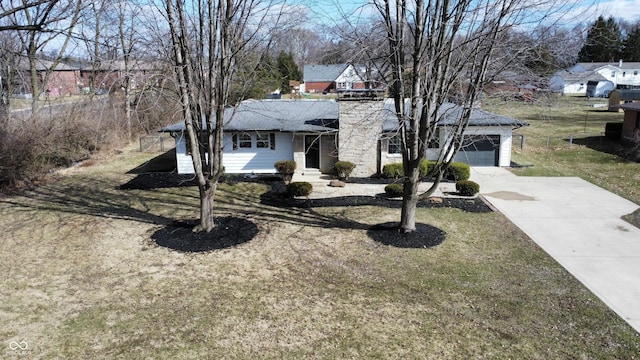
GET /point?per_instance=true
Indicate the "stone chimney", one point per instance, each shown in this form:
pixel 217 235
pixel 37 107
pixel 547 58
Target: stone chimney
pixel 359 134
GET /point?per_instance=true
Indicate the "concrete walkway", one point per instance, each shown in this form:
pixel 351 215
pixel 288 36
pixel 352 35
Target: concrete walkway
pixel 579 225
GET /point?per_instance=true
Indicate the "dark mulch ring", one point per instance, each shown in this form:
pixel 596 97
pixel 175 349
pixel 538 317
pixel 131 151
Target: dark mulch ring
pixel 424 236
pixel 474 205
pixel 229 232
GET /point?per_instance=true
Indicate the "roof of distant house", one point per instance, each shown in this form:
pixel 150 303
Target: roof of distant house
pixel 627 94
pixel 323 73
pixel 630 106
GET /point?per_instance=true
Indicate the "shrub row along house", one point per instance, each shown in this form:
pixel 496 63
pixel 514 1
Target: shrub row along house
pixel 317 133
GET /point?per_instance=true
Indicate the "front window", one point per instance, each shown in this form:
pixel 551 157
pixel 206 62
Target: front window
pixel 434 143
pixel 244 141
pixel 262 140
pixel 395 145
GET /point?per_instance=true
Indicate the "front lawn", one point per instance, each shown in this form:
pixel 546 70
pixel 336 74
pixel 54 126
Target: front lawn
pixel 83 278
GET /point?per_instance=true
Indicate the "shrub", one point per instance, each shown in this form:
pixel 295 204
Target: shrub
pixel 396 170
pixel 467 187
pixel 458 171
pixel 299 188
pixel 285 168
pixel 393 171
pixel 394 190
pixel 343 169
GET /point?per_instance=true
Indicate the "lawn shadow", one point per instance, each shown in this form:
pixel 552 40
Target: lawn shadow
pixel 229 232
pixel 424 236
pixel 163 163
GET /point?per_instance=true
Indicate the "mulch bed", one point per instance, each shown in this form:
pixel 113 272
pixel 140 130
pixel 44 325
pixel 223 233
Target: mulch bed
pixel 229 232
pixel 233 231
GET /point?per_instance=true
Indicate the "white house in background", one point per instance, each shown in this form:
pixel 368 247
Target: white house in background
pixel 573 81
pixel 317 133
pixel 330 78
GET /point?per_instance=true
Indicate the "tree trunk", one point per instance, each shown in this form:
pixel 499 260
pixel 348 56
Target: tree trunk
pixel 410 201
pixel 207 200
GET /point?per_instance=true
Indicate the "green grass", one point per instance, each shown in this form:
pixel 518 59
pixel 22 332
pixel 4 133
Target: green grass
pixel 555 120
pixel 83 280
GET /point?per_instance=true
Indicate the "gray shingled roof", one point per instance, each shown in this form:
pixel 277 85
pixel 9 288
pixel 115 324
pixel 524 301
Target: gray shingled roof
pixel 279 115
pixel 628 94
pixel 450 115
pixel 323 73
pixel 322 116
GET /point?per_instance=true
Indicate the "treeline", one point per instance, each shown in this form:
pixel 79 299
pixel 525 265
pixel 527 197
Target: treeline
pixel 608 40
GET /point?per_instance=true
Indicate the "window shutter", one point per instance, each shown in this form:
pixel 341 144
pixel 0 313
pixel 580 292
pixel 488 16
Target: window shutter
pixel 272 141
pixel 234 139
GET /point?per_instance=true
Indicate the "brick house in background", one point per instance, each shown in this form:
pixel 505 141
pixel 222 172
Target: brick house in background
pixel 61 80
pixel 75 77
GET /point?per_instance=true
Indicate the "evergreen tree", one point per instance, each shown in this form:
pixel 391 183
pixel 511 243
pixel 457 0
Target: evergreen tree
pixel 288 70
pixel 631 45
pixel 603 43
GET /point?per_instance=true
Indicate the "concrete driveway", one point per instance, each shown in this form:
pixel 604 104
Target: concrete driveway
pixel 579 225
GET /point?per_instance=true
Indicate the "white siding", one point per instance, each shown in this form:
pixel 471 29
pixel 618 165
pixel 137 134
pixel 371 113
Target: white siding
pixel 242 160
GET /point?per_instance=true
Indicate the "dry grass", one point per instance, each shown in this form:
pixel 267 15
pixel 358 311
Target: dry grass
pixel 82 279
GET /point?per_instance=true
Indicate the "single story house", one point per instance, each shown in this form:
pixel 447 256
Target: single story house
pixel 317 133
pixel 631 124
pixel 622 96
pixel 330 78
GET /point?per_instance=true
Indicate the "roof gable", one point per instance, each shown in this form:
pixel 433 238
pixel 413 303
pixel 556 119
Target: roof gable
pixel 324 73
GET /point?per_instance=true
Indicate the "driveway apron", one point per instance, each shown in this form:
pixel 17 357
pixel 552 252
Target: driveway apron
pixel 580 226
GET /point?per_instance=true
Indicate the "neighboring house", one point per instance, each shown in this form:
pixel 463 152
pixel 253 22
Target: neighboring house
pixel 573 81
pixel 110 75
pixel 622 96
pixel 631 124
pixel 61 80
pixel 317 133
pixel 73 78
pixel 331 78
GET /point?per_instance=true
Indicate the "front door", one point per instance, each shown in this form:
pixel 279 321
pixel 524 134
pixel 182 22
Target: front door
pixel 311 152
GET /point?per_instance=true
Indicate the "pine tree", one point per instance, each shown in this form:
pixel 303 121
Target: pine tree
pixel 603 43
pixel 631 45
pixel 288 70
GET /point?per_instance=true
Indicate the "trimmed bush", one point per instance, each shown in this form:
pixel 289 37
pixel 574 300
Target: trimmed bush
pixel 393 171
pixel 458 171
pixel 394 190
pixel 343 169
pixel 285 168
pixel 396 170
pixel 467 187
pixel 299 188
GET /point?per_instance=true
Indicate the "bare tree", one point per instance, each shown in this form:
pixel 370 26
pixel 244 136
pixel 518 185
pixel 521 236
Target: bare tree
pixel 439 48
pixel 209 39
pixel 36 24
